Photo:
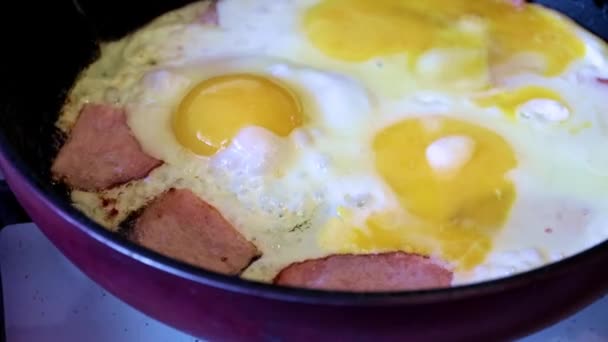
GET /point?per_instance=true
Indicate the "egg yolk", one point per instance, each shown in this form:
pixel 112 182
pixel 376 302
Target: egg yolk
pixel 455 216
pixel 214 111
pixel 357 30
pixel 509 101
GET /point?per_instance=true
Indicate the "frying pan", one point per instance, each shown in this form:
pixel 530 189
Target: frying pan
pixel 38 66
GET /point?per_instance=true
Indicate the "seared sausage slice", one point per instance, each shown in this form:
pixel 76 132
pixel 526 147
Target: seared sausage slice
pixel 519 4
pixel 209 16
pixel 180 225
pixel 101 152
pixel 369 272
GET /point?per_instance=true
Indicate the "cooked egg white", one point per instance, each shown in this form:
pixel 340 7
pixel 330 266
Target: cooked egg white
pixel 445 128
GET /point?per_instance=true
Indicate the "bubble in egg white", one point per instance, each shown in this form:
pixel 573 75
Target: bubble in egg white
pixel 449 154
pixel 165 83
pixel 363 194
pixel 426 98
pixel 254 151
pixel 301 138
pixel 544 110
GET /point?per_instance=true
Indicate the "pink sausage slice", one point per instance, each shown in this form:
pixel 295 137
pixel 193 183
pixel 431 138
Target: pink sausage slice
pixel 393 271
pixel 180 225
pixel 209 16
pixel 101 152
pixel 518 3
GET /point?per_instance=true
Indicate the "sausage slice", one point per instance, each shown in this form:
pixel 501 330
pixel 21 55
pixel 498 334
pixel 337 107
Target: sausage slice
pixel 101 152
pixel 180 225
pixel 210 16
pixel 519 4
pixel 369 272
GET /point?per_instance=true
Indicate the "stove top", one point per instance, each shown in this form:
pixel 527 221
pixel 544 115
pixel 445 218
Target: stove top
pixel 46 298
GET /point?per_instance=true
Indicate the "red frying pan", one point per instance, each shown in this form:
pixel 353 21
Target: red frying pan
pixel 44 47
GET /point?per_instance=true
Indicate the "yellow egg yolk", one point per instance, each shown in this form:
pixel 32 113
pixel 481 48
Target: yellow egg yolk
pixel 214 111
pixel 509 101
pixel 357 30
pixel 455 216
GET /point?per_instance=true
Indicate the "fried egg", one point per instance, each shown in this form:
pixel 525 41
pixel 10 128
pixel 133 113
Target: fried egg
pixel 470 131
